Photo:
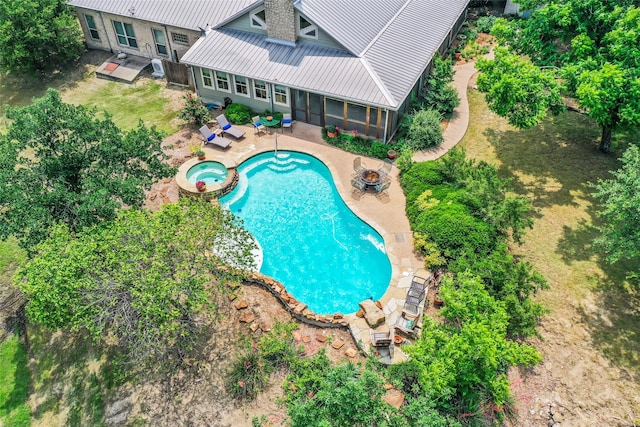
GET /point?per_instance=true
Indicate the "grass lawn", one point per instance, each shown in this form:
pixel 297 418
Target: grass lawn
pixel 14 384
pixel 147 99
pixel 553 164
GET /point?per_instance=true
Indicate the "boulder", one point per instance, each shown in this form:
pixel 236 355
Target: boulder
pixel 241 304
pixel 337 344
pixel 351 352
pixel 393 398
pixel 247 317
pixel 372 314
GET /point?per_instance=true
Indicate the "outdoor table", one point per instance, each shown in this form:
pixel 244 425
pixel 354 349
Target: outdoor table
pixel 370 178
pixel 269 123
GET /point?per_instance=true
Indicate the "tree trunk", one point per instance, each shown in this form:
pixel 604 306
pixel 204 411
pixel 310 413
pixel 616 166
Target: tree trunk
pixel 605 141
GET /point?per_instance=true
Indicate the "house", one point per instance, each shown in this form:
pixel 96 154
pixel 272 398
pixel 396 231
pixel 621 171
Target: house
pixel 356 64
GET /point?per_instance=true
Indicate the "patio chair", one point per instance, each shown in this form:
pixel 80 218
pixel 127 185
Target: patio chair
pixel 408 325
pixel 420 285
pixel 358 165
pixel 212 138
pixel 258 126
pixel 383 337
pixel 385 167
pixel 237 133
pixel 413 306
pixel 287 122
pixel 357 183
pixel 383 185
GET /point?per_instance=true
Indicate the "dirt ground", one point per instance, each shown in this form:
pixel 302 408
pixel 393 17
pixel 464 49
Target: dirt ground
pixel 198 398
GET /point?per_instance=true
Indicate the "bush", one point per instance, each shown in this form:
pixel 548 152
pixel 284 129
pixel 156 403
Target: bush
pixel 238 114
pixel 194 110
pixel 357 144
pixel 485 23
pixel 278 347
pixel 248 376
pixel 424 130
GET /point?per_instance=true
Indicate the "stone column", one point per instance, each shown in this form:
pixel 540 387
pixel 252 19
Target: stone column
pixel 281 20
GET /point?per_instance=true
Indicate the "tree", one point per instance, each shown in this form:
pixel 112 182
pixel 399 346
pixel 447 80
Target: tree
pixel 591 45
pixel 149 280
pixel 61 163
pixel 465 359
pixel 620 199
pixel 518 90
pixel 38 34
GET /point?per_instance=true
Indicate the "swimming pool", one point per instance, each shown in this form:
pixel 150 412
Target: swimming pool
pixel 209 171
pixel 312 243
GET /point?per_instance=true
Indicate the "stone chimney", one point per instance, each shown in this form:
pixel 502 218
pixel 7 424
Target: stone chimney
pixel 281 21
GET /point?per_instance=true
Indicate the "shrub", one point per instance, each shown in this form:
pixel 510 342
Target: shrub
pixel 248 376
pixel 194 110
pixel 278 347
pixel 238 114
pixel 425 130
pixel 485 23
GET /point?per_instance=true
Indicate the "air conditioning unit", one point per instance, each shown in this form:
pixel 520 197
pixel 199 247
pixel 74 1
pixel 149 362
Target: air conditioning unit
pixel 158 70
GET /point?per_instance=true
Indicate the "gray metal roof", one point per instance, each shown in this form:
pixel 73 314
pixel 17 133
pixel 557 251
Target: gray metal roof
pixel 306 66
pixel 403 50
pixel 352 23
pixel 190 14
pixel 389 42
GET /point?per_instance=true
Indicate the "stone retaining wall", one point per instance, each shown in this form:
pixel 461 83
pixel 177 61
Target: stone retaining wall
pixel 298 309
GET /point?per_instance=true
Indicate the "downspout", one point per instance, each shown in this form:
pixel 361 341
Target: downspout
pixel 386 123
pixel 270 94
pixel 105 31
pixel 166 33
pixel 193 77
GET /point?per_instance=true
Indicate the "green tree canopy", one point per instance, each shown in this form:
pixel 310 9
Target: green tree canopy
pixel 38 34
pixel 466 358
pixel 151 280
pixel 620 198
pixel 61 163
pixel 592 46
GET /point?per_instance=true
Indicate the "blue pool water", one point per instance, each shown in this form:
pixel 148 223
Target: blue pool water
pixel 210 172
pixel 312 243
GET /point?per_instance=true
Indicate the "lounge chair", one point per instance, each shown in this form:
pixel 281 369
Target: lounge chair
pixel 413 306
pixel 237 133
pixel 420 285
pixel 287 122
pixel 212 138
pixel 257 125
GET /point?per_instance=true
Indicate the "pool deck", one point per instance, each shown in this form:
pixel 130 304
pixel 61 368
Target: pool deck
pixel 384 212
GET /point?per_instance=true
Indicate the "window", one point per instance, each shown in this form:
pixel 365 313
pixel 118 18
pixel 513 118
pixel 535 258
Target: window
pixel 125 34
pixel 241 86
pixel 281 94
pixel 91 24
pixel 307 29
pixel 207 79
pixel 222 81
pixel 260 90
pixel 259 19
pixel 161 44
pixel 180 38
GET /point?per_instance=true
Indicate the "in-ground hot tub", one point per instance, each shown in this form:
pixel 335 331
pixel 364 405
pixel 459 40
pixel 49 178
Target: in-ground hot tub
pixel 220 176
pixel 209 171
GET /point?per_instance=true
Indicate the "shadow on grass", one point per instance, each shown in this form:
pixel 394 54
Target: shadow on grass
pixel 553 164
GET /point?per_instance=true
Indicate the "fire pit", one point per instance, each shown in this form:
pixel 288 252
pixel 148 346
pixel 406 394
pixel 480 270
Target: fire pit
pixel 371 178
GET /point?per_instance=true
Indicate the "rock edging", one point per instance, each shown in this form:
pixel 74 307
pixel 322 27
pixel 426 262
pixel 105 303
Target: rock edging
pixel 297 309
